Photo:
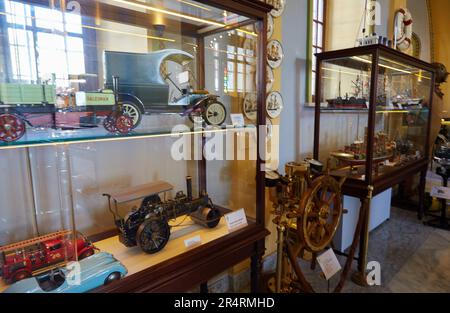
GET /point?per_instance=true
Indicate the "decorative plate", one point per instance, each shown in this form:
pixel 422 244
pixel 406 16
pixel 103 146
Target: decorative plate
pixel 275 54
pixel 274 104
pixel 270 79
pixel 270 26
pixel 250 106
pixel 279 6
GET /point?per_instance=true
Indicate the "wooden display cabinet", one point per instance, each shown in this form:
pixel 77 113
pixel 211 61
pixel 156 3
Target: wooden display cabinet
pixel 176 268
pixel 221 250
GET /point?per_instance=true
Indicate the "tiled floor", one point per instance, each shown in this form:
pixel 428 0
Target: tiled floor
pixel 413 258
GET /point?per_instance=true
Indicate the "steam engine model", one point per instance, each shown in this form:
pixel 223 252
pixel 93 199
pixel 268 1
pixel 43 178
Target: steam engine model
pixel 148 226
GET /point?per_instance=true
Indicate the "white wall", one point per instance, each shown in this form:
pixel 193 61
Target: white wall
pixel 421 26
pixel 295 125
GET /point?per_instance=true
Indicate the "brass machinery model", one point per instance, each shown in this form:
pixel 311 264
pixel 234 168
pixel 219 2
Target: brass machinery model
pixel 308 209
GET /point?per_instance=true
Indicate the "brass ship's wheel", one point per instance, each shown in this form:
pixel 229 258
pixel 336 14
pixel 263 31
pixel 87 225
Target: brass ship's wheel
pixel 320 214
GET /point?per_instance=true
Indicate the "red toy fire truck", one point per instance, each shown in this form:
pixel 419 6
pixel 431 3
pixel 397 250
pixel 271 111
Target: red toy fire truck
pixel 38 255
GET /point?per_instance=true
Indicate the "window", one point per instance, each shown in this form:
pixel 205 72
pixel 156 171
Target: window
pixel 318 38
pixel 236 72
pixel 32 30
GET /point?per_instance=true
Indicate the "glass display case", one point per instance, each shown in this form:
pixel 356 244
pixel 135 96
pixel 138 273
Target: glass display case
pixel 372 126
pixel 373 116
pixel 115 130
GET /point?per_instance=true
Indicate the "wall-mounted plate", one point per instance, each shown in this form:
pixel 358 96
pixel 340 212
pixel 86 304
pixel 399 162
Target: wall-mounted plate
pixel 275 54
pixel 250 106
pixel 274 104
pixel 279 6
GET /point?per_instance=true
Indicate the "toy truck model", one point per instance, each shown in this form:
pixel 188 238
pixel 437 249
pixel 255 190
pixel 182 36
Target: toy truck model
pixel 38 255
pixel 148 227
pixel 19 100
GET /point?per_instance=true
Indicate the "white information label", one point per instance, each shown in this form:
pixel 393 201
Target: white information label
pixel 193 241
pixel 440 192
pixel 237 120
pixel 329 264
pixel 236 220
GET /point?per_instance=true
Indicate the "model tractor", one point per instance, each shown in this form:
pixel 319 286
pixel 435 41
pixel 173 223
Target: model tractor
pixel 148 226
pixel 145 89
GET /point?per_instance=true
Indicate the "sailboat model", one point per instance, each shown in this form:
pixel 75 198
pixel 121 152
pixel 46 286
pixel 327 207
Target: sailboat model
pixel 353 102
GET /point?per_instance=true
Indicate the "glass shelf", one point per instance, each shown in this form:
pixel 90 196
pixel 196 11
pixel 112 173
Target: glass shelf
pixel 48 137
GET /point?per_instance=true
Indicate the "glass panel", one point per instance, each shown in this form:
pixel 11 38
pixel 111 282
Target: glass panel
pixel 402 114
pixel 315 9
pixel 73 53
pixel 49 19
pixel 319 35
pixel 233 152
pixel 345 91
pixel 314 33
pixel 119 104
pixel 320 10
pixel 17 13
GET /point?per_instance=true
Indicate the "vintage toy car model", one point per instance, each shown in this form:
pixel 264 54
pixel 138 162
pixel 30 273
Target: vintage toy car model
pixel 95 271
pixel 148 227
pixel 143 89
pixel 35 256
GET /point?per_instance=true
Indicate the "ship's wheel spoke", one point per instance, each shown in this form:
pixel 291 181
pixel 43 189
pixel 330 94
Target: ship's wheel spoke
pixel 324 194
pixel 331 198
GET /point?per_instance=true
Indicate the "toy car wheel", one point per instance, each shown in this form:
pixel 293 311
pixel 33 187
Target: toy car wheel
pixel 153 235
pixel 20 275
pixel 12 127
pixel 215 113
pixel 86 254
pixel 124 124
pixel 133 111
pixel 112 278
pixel 213 217
pixel 110 123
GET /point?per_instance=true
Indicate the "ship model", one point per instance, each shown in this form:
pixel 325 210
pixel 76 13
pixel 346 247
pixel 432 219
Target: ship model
pixel 356 101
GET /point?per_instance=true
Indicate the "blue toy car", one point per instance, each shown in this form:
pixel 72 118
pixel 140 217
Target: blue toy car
pixel 95 271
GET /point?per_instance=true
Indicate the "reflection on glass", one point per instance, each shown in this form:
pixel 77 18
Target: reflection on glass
pixel 56 81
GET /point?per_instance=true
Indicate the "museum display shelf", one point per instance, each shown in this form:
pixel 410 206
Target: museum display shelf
pixel 50 137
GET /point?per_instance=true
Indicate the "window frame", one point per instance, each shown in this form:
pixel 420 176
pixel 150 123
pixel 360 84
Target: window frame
pixel 35 30
pixel 313 23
